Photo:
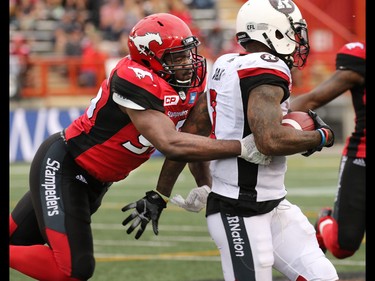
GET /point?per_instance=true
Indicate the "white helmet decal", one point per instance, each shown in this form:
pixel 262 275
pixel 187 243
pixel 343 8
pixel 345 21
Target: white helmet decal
pixel 143 42
pixel 283 6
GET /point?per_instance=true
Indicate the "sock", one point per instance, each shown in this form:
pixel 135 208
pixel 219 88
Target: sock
pixel 329 232
pixel 36 261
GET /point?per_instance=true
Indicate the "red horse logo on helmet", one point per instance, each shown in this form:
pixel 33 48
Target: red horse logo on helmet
pixel 143 42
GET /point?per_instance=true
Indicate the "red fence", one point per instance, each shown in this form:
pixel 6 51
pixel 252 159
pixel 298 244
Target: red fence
pixel 58 76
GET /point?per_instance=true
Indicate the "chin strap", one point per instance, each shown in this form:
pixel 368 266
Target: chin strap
pixel 270 45
pixel 288 59
pixel 179 88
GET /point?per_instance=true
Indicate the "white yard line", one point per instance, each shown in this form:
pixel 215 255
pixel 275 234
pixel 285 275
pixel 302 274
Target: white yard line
pixel 199 256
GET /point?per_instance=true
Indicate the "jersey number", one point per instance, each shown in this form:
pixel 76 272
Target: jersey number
pixel 128 145
pixel 143 141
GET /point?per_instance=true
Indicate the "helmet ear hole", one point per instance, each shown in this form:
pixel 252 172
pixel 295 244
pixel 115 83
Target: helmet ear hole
pixel 279 35
pixel 146 63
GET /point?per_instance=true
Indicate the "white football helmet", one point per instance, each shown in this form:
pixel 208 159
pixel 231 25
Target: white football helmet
pixel 279 25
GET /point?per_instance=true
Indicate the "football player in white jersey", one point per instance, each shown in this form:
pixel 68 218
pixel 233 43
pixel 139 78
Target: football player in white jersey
pixel 252 223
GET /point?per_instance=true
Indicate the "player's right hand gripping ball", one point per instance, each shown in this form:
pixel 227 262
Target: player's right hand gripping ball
pixel 299 120
pixel 320 125
pixel 146 209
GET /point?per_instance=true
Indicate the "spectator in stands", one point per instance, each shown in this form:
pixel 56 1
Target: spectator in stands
pixel 20 48
pixel 93 7
pixel 202 4
pixel 123 49
pixel 93 60
pixel 19 51
pixel 24 14
pixel 73 44
pixel 215 40
pixel 179 9
pixel 64 34
pixel 110 12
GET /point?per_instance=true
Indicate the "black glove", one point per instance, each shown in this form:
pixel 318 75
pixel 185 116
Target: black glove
pixel 319 124
pixel 146 209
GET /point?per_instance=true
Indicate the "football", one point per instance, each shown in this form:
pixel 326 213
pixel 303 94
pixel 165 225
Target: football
pixel 299 120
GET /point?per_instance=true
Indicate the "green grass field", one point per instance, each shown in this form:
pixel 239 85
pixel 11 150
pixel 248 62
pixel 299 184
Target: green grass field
pixel 183 250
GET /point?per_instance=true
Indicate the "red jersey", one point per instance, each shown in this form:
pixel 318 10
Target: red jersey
pixel 104 141
pixel 353 56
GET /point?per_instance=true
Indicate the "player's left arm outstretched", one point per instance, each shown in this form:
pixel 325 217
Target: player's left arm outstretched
pixel 198 123
pixel 150 207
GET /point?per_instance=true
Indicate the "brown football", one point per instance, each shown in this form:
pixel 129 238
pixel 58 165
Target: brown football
pixel 299 120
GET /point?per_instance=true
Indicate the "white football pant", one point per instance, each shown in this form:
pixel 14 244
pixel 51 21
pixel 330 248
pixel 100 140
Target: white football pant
pixel 283 239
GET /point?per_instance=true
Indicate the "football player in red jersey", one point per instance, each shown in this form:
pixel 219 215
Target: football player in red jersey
pixel 342 229
pixel 138 109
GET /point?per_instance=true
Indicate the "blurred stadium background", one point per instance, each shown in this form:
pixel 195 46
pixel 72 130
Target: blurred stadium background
pixel 61 50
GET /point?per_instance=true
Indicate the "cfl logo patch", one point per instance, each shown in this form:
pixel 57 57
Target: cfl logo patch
pixel 251 26
pixel 171 100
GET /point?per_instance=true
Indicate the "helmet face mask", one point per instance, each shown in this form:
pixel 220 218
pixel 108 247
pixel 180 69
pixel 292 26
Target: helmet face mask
pixel 178 61
pixel 165 44
pixel 278 25
pixel 299 35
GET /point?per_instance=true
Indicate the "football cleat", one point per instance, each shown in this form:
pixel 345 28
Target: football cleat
pixel 322 214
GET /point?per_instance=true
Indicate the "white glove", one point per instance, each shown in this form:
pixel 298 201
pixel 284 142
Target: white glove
pixel 250 152
pixel 195 201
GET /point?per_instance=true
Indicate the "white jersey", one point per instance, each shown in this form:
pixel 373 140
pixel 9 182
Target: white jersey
pixel 233 76
pixel 253 225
